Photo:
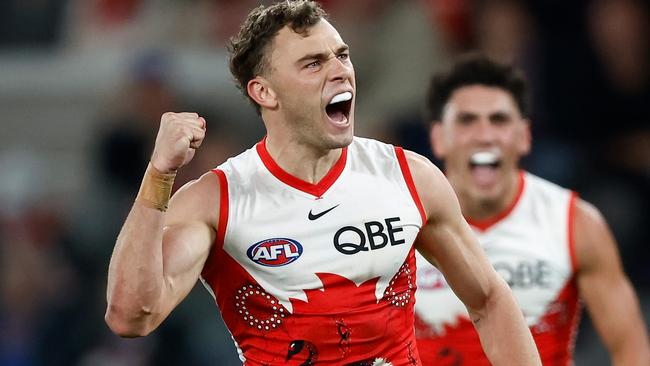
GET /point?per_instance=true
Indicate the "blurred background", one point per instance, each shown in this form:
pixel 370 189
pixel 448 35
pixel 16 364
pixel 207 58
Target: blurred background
pixel 83 84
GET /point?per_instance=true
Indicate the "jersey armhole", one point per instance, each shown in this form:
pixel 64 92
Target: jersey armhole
pixel 210 265
pixel 570 230
pixel 408 178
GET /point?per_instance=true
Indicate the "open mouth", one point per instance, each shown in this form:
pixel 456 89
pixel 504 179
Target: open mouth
pixel 483 166
pixel 486 159
pixel 338 109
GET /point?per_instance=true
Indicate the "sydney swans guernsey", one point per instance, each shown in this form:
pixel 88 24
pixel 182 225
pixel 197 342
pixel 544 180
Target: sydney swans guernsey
pixel 531 247
pixel 325 272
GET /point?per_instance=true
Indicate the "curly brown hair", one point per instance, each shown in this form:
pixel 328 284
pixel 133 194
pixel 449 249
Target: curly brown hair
pixel 248 49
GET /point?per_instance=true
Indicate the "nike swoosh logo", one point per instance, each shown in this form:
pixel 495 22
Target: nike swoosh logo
pixel 313 217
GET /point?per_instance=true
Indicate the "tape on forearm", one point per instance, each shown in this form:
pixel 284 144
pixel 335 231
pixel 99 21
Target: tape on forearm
pixel 156 189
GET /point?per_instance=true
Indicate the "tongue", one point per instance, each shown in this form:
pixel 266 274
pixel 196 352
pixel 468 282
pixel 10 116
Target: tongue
pixel 337 116
pixel 484 176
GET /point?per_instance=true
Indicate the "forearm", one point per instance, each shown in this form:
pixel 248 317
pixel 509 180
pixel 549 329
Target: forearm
pixel 135 275
pixel 627 339
pixel 633 353
pixel 626 335
pixel 504 334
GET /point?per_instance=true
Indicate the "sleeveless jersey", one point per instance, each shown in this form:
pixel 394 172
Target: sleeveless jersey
pixel 530 246
pixel 318 273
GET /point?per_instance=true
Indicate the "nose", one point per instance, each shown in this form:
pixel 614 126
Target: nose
pixel 341 70
pixel 485 132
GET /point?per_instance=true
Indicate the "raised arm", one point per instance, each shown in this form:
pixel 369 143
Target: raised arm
pixel 159 254
pixel 608 294
pixel 447 241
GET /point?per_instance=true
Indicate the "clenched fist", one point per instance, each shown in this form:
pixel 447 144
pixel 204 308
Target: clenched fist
pixel 179 136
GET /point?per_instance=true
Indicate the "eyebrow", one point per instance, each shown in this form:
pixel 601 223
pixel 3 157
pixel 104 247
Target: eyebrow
pixel 322 55
pixel 467 114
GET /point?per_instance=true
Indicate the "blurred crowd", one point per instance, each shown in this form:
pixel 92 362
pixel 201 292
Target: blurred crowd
pixel 83 84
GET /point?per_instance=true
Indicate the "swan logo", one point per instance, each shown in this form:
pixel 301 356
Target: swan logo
pixel 275 252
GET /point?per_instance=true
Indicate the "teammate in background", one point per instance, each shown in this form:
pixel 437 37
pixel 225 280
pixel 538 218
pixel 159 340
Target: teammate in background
pixel 551 247
pixel 306 239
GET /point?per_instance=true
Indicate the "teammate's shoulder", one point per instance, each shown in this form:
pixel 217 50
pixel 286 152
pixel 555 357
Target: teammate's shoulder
pixel 588 214
pixel 542 183
pixel 587 226
pixel 594 243
pixel 546 193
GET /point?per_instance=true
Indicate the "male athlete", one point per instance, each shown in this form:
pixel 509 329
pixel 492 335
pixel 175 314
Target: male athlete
pixel 551 247
pixel 307 239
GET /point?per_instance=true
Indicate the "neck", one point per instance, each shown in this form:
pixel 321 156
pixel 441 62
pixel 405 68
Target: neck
pixel 485 209
pixel 302 160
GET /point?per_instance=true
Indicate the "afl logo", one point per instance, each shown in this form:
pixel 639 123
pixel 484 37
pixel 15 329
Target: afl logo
pixel 275 252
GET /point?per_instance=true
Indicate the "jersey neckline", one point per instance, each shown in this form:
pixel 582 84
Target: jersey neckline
pixel 485 224
pixel 317 189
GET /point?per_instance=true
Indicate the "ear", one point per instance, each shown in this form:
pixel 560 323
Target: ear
pixel 525 140
pixel 436 139
pixel 259 90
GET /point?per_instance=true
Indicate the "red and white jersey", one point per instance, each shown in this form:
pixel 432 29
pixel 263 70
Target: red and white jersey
pixel 530 246
pixel 318 273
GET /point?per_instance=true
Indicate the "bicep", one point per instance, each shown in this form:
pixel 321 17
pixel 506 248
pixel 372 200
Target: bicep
pixel 188 236
pixel 602 283
pixel 447 241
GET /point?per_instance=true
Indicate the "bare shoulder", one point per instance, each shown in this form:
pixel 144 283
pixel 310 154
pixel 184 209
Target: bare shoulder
pixel 432 186
pixel 593 240
pixel 197 200
pixel 418 163
pixel 586 213
pixel 424 172
pixel 589 226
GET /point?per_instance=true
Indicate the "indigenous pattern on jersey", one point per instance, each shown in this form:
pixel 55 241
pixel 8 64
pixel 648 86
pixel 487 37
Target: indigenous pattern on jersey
pixel 530 246
pixel 323 273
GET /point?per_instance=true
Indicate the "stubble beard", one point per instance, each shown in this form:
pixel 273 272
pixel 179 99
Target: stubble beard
pixel 309 130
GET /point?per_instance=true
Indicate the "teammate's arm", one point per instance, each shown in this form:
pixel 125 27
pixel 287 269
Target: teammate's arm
pixel 608 294
pixel 447 241
pixel 159 255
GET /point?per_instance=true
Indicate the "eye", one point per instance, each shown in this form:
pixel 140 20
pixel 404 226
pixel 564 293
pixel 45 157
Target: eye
pixel 466 119
pixel 313 64
pixel 500 118
pixel 343 56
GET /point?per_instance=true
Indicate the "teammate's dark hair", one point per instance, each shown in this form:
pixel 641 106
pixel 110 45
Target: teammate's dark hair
pixel 475 69
pixel 249 48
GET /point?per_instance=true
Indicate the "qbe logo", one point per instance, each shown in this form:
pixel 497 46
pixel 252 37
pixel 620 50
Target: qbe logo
pixel 275 252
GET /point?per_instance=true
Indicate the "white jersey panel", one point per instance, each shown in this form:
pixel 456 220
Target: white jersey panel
pixel 360 237
pixel 529 248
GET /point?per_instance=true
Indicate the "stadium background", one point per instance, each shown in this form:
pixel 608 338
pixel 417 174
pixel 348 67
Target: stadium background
pixel 83 84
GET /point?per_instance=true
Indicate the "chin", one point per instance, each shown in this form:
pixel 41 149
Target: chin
pixel 487 195
pixel 338 138
pixel 337 142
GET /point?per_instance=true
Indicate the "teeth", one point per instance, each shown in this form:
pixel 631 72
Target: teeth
pixel 343 97
pixel 484 158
